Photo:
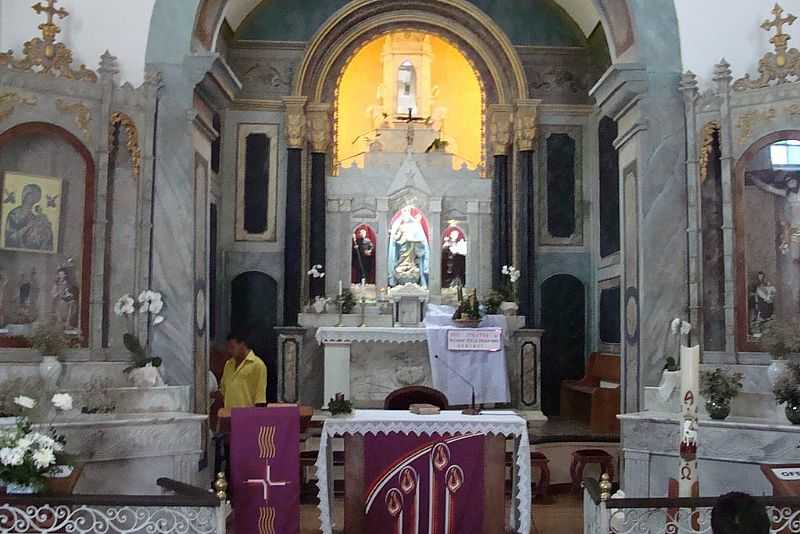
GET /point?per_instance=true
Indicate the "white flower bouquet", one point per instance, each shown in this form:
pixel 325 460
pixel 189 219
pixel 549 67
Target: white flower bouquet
pixel 150 304
pixel 28 456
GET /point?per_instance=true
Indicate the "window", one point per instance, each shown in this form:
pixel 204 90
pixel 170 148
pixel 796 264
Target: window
pixel 406 89
pixel 785 154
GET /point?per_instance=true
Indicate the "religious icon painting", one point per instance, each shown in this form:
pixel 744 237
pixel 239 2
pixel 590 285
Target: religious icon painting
pixel 30 213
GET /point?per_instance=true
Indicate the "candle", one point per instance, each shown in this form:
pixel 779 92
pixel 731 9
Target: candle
pixel 690 380
pixel 340 288
pixel 688 485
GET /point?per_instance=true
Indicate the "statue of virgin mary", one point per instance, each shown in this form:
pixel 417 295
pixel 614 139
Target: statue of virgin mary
pixel 409 251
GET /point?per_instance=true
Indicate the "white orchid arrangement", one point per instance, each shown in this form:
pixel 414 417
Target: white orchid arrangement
pixel 679 328
pixel 513 276
pixel 28 456
pixel 151 304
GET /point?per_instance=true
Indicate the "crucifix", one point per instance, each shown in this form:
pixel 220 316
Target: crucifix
pixel 779 39
pixel 49 28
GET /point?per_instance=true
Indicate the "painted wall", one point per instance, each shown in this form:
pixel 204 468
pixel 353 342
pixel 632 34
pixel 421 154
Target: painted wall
pixel 94 26
pixel 713 29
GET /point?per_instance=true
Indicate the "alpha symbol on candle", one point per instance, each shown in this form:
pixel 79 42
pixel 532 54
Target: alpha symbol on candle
pixel 689 398
pixel 686 473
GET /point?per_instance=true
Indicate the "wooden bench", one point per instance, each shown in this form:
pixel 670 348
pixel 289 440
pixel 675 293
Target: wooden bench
pixel 585 399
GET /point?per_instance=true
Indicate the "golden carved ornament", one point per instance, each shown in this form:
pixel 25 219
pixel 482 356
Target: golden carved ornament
pixel 295 123
pixel 319 127
pixel 500 131
pixel 9 102
pixel 777 66
pixel 525 128
pixel 44 55
pixel 121 120
pixel 706 147
pixel 747 121
pixel 83 115
pixel 793 110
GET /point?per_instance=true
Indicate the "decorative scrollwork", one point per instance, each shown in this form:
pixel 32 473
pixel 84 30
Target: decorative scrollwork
pixel 85 519
pixel 651 520
pixel 83 115
pixel 9 102
pixel 121 120
pixel 46 56
pixel 747 121
pixel 781 66
pixel 709 129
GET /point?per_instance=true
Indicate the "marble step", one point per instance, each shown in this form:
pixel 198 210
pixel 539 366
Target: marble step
pixel 75 375
pixel 131 400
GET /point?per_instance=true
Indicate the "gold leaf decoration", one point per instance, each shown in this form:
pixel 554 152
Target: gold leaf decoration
pixel 44 55
pixel 83 115
pixel 709 129
pixel 782 65
pixel 9 102
pixel 122 120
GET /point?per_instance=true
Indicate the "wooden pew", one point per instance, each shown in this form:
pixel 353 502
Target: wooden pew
pixel 585 399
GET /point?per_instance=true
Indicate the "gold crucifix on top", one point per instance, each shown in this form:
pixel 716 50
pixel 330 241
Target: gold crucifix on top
pixel 49 28
pixel 779 39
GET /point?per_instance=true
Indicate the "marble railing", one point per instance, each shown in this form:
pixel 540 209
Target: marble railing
pixel 603 514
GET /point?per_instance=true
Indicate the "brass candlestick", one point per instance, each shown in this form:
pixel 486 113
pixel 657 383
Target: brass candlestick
pixel 363 305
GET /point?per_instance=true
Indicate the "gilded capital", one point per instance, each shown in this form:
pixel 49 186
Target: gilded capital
pixel 319 126
pixel 500 128
pixel 525 119
pixel 295 120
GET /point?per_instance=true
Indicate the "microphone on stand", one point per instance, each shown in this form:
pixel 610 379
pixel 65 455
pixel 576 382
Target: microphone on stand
pixel 472 410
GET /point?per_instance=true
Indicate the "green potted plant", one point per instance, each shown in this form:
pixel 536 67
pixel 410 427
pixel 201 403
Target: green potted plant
pixel 347 301
pixel 718 387
pixel 338 405
pixel 787 391
pixel 782 339
pixel 144 371
pixel 510 306
pixel 494 299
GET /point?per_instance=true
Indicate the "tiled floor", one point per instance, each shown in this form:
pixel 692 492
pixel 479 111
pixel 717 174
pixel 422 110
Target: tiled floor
pixel 564 516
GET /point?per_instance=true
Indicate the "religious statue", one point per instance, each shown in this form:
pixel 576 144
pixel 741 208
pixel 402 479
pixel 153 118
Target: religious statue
pixel 363 260
pixel 406 89
pixel 408 250
pixel 454 255
pixel 762 302
pixel 26 226
pixel 27 298
pixel 64 298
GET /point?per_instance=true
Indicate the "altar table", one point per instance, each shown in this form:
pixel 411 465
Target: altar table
pixel 364 431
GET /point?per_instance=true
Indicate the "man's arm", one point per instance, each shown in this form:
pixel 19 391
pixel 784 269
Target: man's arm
pixel 260 394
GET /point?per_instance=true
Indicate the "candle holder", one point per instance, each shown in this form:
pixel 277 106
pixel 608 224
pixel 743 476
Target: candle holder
pixel 339 311
pixel 363 305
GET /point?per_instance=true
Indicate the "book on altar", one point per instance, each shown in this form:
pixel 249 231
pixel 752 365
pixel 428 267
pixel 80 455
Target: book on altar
pixel 424 409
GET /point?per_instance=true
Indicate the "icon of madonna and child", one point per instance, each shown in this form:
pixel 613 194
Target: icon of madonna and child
pixel 409 248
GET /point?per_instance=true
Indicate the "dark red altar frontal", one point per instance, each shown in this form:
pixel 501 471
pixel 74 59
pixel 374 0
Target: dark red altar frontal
pixel 409 484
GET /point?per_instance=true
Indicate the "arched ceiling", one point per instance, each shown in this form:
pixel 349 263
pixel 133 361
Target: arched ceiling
pixel 582 12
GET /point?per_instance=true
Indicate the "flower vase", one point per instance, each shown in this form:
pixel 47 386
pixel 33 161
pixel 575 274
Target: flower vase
pixel 50 371
pixel 775 371
pixel 793 413
pixel 319 305
pixel 718 409
pixel 146 377
pixel 18 489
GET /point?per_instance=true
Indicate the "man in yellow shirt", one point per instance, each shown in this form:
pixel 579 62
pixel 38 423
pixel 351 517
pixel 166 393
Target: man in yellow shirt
pixel 244 380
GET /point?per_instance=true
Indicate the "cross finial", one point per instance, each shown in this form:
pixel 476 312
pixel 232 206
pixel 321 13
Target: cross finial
pixel 49 28
pixel 779 39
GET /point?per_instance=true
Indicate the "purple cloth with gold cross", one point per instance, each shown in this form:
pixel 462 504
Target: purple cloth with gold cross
pixel 265 469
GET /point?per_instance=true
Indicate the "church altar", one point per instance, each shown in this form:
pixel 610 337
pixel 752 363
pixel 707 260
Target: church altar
pixel 446 424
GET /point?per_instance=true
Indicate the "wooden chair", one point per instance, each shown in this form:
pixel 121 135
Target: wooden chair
pixel 585 399
pixel 403 398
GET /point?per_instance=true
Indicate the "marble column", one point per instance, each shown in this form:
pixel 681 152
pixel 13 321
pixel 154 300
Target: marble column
pixel 435 264
pixel 319 130
pixel 381 260
pixel 653 215
pixel 525 234
pixel 293 248
pixel 500 140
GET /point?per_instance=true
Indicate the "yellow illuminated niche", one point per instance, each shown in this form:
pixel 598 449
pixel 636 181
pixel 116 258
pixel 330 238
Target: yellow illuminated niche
pixel 409 69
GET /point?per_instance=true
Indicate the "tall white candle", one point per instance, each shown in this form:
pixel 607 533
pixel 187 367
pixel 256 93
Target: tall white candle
pixel 340 288
pixel 690 391
pixel 690 380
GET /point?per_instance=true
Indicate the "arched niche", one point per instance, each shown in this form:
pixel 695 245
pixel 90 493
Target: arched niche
pixel 454 257
pixel 46 244
pixel 767 240
pixel 254 308
pixel 409 251
pixel 363 257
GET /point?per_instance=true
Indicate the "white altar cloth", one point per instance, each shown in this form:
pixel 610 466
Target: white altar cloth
pixel 487 371
pixel 362 422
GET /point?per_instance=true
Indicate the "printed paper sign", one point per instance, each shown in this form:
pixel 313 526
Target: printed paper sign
pixel 475 339
pixel 787 473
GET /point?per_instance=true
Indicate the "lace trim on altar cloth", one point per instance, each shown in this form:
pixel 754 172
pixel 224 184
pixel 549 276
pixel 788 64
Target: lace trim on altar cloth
pixel 520 512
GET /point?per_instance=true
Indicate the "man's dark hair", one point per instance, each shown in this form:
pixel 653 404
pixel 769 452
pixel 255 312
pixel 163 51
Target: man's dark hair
pixel 739 513
pixel 240 336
